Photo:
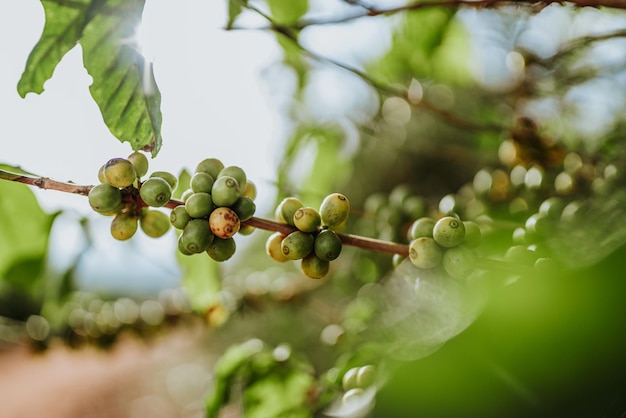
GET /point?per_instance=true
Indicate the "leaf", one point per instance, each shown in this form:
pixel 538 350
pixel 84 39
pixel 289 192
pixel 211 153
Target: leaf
pixel 235 7
pixel 182 185
pixel 287 12
pixel 279 395
pixel 201 280
pixel 123 86
pixel 64 25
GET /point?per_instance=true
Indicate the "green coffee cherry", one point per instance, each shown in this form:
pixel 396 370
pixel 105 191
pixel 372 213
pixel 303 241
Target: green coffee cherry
pixel 167 176
pixel 425 253
pixel 366 375
pixel 422 227
pixel 249 190
pixel 185 195
pixel 297 245
pixel 181 246
pixel 101 177
pixel 287 208
pixel 244 207
pixel 154 223
pixel 140 162
pixel 473 234
pixel 307 219
pixel 124 226
pixel 314 267
pixel 327 245
pixel 197 236
pixel 235 172
pixel 273 247
pixel 225 191
pixel 349 379
pixel 222 249
pixel 179 217
pixel 199 205
pixel 246 229
pixel 224 222
pixel 553 207
pixel 155 192
pixel 334 210
pixel 104 198
pixel 520 254
pixel 459 262
pixel 201 182
pixel 119 172
pixel 449 231
pixel 352 396
pixel 211 166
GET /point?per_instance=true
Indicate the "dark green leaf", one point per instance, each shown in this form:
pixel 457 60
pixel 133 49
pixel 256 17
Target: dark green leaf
pixel 123 82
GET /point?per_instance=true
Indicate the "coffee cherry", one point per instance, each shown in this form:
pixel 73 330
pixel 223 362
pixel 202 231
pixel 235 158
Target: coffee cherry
pixel 334 210
pixel 124 226
pixel 249 190
pixel 185 195
pixel 169 177
pixel 297 245
pixel 197 236
pixel 459 262
pixel 181 246
pixel 211 166
pixel 201 182
pixel 425 253
pixel 287 208
pixel 101 177
pixel 119 172
pixel 140 162
pixel 349 379
pixel 365 376
pixel 314 267
pixel 422 227
pixel 221 249
pixel 235 172
pixel 307 219
pixel 225 191
pixel 199 205
pixel 155 191
pixel 273 247
pixel 154 223
pixel 244 207
pixel 179 217
pixel 449 231
pixel 473 234
pixel 327 245
pixel 246 229
pixel 224 222
pixel 104 198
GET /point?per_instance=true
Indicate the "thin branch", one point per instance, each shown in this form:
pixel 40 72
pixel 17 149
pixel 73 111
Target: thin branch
pixel 45 183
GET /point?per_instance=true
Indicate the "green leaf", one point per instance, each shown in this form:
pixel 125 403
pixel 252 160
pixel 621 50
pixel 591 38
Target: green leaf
pixel 184 179
pixel 235 7
pixel 201 280
pixel 123 85
pixel 65 21
pixel 287 12
pixel 123 82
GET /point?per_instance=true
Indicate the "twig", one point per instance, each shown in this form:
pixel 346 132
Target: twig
pixel 45 183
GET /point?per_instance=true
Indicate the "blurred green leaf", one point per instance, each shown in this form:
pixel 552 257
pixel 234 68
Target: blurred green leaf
pixel 201 280
pixel 287 12
pixel 279 395
pixel 184 179
pixel 235 7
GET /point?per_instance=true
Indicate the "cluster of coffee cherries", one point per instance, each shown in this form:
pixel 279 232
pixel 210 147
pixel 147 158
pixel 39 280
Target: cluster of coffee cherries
pixel 314 241
pixel 121 194
pixel 218 200
pixel 448 241
pixel 356 380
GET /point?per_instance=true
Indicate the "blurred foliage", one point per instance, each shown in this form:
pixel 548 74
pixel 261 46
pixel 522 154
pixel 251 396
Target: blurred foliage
pixel 486 114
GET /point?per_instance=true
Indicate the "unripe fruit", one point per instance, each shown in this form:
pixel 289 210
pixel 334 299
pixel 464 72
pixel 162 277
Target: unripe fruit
pixel 235 172
pixel 314 267
pixel 201 182
pixel 225 191
pixel 425 253
pixel 459 262
pixel 224 222
pixel 185 195
pixel 449 231
pixel 473 234
pixel 179 217
pixel 244 207
pixel 422 227
pixel 140 162
pixel 154 223
pixel 211 166
pixel 105 198
pixel 167 176
pixel 273 247
pixel 307 219
pixel 101 177
pixel 222 249
pixel 327 245
pixel 123 226
pixel 181 246
pixel 334 210
pixel 349 379
pixel 366 376
pixel 119 172
pixel 155 192
pixel 197 236
pixel 352 396
pixel 297 245
pixel 246 229
pixel 249 190
pixel 287 208
pixel 199 205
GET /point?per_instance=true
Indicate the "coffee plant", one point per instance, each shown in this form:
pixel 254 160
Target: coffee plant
pixel 447 228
